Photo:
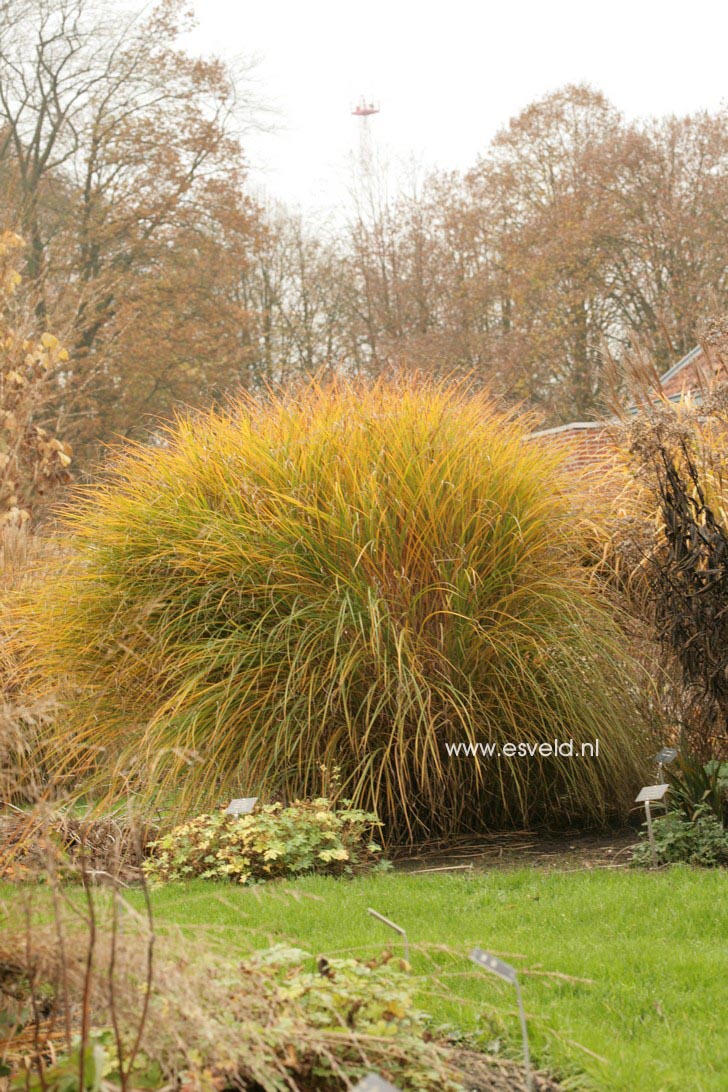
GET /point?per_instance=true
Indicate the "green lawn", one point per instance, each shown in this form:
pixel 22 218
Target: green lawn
pixel 655 946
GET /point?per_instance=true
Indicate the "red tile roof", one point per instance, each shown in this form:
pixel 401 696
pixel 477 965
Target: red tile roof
pixel 591 438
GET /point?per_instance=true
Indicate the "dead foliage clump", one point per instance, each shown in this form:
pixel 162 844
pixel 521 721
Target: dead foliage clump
pixel 113 846
pixel 679 458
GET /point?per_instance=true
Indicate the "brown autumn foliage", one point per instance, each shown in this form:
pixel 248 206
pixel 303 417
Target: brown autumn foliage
pixel 121 166
pixel 34 465
pixel 33 462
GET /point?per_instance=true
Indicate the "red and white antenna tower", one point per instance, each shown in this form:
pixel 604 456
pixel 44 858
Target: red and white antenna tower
pixel 363 110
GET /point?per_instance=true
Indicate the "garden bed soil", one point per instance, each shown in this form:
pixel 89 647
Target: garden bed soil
pixel 564 852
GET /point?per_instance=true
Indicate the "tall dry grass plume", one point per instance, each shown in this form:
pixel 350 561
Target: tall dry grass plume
pixel 348 575
pixel 23 715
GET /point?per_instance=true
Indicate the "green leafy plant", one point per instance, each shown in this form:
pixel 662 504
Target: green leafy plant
pixel 101 1070
pixel 349 575
pixel 272 842
pixel 697 787
pixel 700 841
pixel 366 998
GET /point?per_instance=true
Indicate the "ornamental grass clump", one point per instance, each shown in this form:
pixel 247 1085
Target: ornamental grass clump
pixel 350 576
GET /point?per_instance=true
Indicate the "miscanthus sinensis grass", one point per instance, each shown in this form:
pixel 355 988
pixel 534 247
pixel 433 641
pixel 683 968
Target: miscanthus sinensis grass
pixel 348 576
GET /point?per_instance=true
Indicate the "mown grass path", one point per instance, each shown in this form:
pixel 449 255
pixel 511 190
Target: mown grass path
pixel 655 946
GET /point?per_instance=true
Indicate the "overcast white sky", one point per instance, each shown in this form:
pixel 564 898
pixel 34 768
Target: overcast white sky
pixel 449 74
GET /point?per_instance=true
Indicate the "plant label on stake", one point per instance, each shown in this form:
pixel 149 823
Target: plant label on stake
pixel 392 925
pixel 651 793
pixel 374 1083
pixel 504 970
pixel 663 758
pixel 647 795
pixel 243 806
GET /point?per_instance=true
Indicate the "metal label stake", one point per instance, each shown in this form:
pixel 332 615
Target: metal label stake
pixel 663 758
pixel 374 1083
pixel 648 795
pixel 244 806
pixel 492 963
pixel 392 925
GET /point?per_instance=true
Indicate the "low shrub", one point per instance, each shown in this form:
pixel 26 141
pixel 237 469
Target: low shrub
pixel 269 843
pixel 678 840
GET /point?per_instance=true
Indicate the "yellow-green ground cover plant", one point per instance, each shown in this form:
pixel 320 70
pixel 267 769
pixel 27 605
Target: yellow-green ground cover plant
pixel 271 842
pixel 349 575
